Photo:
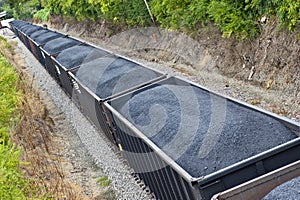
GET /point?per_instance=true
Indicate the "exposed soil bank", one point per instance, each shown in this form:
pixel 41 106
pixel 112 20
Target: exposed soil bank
pixel 273 57
pixel 264 72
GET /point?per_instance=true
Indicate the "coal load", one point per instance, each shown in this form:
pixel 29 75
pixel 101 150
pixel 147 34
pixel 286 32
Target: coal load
pixel 57 45
pixel 17 23
pixel 44 38
pixel 25 27
pixel 199 130
pixel 110 75
pixel 37 34
pixel 287 191
pixel 20 24
pixel 78 55
pixel 32 29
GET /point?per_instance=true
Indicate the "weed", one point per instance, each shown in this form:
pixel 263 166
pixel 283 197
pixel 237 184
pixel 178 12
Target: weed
pixel 12 184
pixel 103 181
pixel 42 15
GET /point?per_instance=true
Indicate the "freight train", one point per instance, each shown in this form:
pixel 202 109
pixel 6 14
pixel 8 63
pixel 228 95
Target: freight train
pixel 183 140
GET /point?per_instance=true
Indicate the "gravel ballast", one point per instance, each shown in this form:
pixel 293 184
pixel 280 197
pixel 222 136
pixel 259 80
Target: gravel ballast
pixel 102 151
pixel 202 132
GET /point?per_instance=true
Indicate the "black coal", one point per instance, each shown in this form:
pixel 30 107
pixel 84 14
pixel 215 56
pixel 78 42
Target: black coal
pixel 59 44
pixel 178 123
pixel 110 75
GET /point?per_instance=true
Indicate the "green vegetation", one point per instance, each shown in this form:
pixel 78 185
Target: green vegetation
pixel 234 18
pixel 130 12
pixel 240 18
pixel 79 9
pixel 104 181
pixel 23 9
pixel 12 184
pixel 42 15
pixel 9 98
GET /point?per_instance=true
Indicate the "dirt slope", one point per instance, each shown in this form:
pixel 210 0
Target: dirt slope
pixel 264 72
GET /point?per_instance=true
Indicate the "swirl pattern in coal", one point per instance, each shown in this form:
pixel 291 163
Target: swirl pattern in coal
pixel 178 117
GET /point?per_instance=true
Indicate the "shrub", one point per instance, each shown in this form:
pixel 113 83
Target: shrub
pixel 42 15
pixel 232 18
pixel 12 184
pixel 237 18
pixel 289 13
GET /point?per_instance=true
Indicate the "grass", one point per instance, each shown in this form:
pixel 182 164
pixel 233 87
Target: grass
pixel 12 184
pixel 9 98
pixel 32 169
pixel 17 122
pixel 28 170
pixel 103 181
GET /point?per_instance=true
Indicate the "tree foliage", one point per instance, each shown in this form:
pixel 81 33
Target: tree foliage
pixel 239 18
pixel 131 12
pixel 176 13
pixel 81 9
pixel 42 15
pixel 23 9
pixel 289 13
pixel 233 17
